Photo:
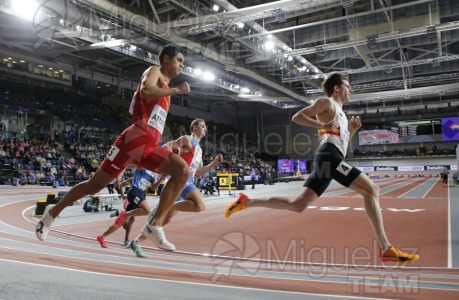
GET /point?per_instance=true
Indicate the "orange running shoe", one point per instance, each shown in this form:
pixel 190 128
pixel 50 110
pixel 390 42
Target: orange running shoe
pixel 395 255
pixel 237 205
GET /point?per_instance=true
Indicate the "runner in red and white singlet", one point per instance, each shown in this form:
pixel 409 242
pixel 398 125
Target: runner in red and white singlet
pixel 139 145
pixel 191 199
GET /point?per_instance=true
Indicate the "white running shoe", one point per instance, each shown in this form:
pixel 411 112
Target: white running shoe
pixel 156 234
pixel 42 227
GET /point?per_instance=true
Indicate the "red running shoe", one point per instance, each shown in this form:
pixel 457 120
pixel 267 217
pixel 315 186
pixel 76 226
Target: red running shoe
pixel 101 241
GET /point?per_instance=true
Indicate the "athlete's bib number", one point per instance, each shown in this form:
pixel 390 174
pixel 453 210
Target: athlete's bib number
pixel 157 118
pixel 143 184
pixel 113 153
pixel 344 168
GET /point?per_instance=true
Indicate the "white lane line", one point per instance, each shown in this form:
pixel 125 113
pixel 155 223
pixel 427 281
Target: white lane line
pixel 423 196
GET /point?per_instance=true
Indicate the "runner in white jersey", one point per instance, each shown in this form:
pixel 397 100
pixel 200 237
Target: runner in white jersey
pixel 340 137
pixel 334 134
pixel 191 199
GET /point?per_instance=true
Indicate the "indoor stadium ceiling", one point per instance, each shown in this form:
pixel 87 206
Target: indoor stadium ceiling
pixel 276 52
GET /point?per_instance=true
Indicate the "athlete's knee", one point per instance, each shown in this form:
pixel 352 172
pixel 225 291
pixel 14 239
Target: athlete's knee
pixel 143 210
pixel 371 191
pixel 180 171
pixel 299 207
pixel 374 190
pixel 299 204
pixel 200 206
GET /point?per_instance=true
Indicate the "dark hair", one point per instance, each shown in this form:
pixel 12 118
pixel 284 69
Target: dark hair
pixel 330 82
pixel 169 50
pixel 195 122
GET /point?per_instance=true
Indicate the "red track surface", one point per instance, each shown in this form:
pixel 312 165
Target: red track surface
pixel 327 249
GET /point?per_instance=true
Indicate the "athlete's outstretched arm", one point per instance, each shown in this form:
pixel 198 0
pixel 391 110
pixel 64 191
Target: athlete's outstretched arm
pixel 204 169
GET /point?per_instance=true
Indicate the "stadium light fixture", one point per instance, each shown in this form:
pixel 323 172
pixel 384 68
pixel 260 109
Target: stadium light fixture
pixel 207 76
pixel 25 9
pixel 269 45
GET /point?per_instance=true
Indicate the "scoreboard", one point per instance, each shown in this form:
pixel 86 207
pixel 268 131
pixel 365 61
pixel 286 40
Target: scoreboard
pixel 413 131
pixel 419 127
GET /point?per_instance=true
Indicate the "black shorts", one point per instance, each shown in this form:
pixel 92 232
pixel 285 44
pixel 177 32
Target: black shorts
pixel 134 196
pixel 329 164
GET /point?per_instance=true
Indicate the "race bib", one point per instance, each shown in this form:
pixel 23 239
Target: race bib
pixel 157 118
pixel 344 168
pixel 143 184
pixel 113 153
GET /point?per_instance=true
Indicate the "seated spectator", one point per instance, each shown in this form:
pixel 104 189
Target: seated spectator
pixel 53 170
pixel 32 179
pixel 23 180
pixel 203 185
pixel 40 176
pixel 27 170
pixel 212 187
pixel 51 178
pixel 91 205
pixel 80 173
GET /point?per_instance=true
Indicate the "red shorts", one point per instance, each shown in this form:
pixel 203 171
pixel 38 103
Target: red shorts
pixel 135 146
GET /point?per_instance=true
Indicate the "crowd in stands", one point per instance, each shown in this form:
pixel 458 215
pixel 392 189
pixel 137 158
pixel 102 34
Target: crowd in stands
pixel 32 161
pixel 68 156
pixel 44 162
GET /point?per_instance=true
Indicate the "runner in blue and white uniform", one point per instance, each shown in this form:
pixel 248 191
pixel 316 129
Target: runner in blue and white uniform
pixel 136 202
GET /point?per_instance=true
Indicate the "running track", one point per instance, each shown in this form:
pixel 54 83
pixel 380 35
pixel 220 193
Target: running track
pixel 326 252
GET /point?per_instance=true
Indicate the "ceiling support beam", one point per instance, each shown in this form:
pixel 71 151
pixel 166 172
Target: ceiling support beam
pixel 155 13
